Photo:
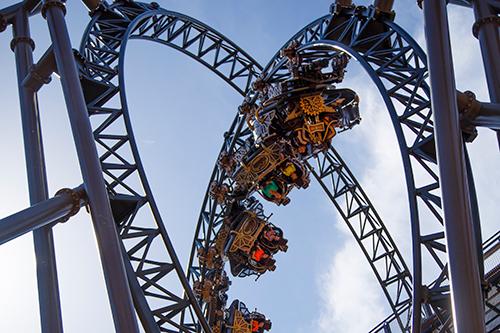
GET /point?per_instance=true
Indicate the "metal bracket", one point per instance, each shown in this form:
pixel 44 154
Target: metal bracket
pixel 52 3
pixel 21 39
pixel 40 73
pixel 468 108
pixel 474 113
pixel 482 21
pixel 75 197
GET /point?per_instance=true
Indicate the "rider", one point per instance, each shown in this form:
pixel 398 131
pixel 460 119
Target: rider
pixel 272 191
pixel 261 257
pixel 259 324
pixel 290 171
pixel 293 173
pixel 272 238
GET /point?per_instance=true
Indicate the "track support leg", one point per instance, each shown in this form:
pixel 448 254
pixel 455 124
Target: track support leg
pixel 486 30
pixel 463 266
pixel 102 218
pixel 48 289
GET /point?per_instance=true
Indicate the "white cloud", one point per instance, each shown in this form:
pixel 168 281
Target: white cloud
pixel 352 301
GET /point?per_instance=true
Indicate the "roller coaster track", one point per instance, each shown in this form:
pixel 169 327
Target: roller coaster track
pixel 393 60
pixel 398 67
pixel 159 303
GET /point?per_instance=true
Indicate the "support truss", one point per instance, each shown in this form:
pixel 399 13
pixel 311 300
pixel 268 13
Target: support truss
pixel 398 67
pixel 145 239
pixel 332 174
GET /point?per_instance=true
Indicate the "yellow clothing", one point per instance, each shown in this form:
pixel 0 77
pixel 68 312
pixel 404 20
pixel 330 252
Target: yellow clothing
pixel 289 170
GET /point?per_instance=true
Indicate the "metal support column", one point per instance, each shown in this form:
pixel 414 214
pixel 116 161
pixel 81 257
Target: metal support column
pixel 467 305
pixel 104 225
pixel 486 29
pixel 142 307
pixel 48 289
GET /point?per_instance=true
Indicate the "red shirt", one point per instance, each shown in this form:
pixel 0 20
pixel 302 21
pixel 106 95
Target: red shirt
pixel 257 254
pixel 255 326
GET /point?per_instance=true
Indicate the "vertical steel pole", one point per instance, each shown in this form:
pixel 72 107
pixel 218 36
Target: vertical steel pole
pixel 475 215
pixel 104 225
pixel 467 305
pixel 487 30
pixel 48 290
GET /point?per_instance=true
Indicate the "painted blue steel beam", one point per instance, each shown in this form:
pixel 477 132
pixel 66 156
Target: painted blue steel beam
pixel 463 266
pixel 42 214
pixel 104 225
pixel 486 30
pixel 48 289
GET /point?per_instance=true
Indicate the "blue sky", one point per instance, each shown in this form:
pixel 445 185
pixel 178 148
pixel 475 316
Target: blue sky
pixel 179 111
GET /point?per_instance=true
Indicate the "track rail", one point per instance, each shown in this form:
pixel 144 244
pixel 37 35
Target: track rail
pixel 398 67
pixel 393 60
pixel 159 302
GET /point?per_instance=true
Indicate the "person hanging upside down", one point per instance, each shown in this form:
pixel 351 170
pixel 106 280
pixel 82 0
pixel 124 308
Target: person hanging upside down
pixel 272 191
pixel 290 171
pixel 260 257
pixel 272 239
pixel 259 324
pixel 259 254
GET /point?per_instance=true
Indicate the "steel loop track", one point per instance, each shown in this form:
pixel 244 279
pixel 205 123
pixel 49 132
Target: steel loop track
pixel 398 67
pixel 393 60
pixel 141 228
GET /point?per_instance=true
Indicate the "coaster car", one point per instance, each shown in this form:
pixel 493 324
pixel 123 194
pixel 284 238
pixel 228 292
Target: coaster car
pixel 306 108
pixel 212 290
pixel 216 314
pixel 249 231
pixel 315 119
pixel 259 262
pixel 272 169
pixel 240 320
pixel 289 174
pixel 251 244
pixel 213 285
pixel 219 192
pixel 234 212
pixel 309 119
pixel 210 258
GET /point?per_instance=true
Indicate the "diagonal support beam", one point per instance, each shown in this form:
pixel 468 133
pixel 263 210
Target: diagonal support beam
pixel 104 225
pixel 40 73
pixel 53 210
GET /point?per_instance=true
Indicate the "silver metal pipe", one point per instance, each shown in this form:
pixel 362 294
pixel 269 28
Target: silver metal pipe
pixel 489 116
pixel 487 30
pixel 40 215
pixel 104 225
pixel 465 282
pixel 46 268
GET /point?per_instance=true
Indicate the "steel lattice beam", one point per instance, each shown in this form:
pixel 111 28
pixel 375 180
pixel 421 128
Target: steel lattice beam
pixel 357 208
pixel 399 68
pixel 391 56
pixel 103 47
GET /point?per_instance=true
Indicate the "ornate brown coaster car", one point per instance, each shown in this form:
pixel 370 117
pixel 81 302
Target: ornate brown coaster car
pixel 240 320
